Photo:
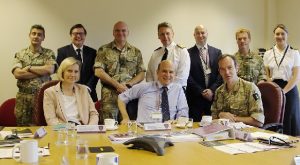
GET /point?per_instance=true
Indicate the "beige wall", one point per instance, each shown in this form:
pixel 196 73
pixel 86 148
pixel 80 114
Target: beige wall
pixel 221 17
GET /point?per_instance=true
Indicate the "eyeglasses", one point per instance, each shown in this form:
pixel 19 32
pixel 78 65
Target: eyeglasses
pixel 78 33
pixel 273 140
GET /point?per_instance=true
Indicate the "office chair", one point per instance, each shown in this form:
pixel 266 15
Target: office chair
pixel 7 113
pixel 38 114
pixel 273 100
pixel 98 107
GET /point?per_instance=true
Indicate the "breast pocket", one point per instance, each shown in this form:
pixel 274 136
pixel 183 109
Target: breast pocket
pixel 239 106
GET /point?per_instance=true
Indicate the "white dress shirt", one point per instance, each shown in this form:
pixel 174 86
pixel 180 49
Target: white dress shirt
pixel 181 62
pixel 284 71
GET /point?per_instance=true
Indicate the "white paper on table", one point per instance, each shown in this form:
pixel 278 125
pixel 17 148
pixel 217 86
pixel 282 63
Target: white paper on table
pixel 3 134
pixel 229 150
pixel 247 147
pixel 239 125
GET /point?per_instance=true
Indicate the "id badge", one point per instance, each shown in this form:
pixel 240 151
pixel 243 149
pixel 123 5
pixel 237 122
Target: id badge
pixel 156 116
pixel 207 71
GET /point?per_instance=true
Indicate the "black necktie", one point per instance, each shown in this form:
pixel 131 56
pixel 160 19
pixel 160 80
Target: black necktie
pixel 165 105
pixel 79 55
pixel 165 56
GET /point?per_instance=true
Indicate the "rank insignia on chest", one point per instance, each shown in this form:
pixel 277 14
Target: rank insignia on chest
pixel 255 96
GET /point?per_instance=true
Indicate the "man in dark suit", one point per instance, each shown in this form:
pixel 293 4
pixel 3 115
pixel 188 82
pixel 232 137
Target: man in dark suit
pixel 204 76
pixel 84 54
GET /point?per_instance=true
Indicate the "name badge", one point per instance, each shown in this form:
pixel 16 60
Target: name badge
pixel 207 71
pixel 156 115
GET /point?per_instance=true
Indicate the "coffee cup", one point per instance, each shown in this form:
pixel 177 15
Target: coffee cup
pixel 28 151
pixel 107 159
pixel 206 120
pixel 110 123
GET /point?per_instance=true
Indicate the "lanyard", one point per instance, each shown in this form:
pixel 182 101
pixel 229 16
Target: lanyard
pixel 278 65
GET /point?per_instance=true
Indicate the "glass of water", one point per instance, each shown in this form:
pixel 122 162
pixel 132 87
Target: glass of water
pixel 62 136
pixel 82 149
pixel 132 127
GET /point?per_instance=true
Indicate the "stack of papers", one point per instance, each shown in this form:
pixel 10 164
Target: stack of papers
pixel 264 135
pixel 120 137
pixel 25 133
pixel 183 137
pixel 242 148
pixel 215 132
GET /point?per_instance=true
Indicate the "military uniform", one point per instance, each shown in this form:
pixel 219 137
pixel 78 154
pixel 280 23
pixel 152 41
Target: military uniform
pixel 122 66
pixel 180 59
pixel 251 67
pixel 244 100
pixel 28 87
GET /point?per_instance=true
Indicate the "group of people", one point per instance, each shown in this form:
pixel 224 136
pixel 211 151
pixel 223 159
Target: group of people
pixel 179 81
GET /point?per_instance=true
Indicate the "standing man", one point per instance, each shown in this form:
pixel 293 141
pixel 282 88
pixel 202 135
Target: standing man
pixel 32 67
pixel 119 66
pixel 251 66
pixel 171 51
pixel 237 100
pixel 83 53
pixel 204 76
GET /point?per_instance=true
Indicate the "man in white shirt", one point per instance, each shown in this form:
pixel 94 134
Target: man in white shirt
pixel 169 51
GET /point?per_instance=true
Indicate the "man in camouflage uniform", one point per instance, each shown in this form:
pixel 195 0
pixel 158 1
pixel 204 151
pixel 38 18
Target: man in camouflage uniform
pixel 250 64
pixel 32 67
pixel 119 66
pixel 237 100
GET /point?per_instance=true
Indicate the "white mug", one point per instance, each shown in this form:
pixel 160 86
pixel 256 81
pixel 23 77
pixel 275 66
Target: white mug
pixel 109 158
pixel 206 120
pixel 28 151
pixel 110 123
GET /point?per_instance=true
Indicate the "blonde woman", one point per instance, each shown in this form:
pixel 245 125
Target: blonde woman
pixel 68 101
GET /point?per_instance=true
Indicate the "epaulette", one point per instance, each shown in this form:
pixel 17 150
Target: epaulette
pixel 157 48
pixel 180 46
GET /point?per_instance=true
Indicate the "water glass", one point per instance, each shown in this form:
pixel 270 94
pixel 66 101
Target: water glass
pixel 132 127
pixel 81 149
pixel 62 136
pixel 189 125
pixel 72 130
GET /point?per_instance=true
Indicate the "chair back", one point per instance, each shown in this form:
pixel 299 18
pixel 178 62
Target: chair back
pixel 98 107
pixel 7 113
pixel 273 102
pixel 38 114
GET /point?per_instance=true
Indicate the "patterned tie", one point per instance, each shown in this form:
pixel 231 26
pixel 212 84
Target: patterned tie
pixel 165 105
pixel 204 64
pixel 79 55
pixel 202 55
pixel 165 56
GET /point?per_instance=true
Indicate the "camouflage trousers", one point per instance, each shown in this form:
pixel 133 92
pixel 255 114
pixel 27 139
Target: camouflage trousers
pixel 109 103
pixel 24 108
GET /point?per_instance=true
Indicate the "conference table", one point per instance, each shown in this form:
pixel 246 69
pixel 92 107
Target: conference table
pixel 182 153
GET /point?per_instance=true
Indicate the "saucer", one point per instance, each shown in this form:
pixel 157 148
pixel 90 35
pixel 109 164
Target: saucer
pixel 112 128
pixel 180 126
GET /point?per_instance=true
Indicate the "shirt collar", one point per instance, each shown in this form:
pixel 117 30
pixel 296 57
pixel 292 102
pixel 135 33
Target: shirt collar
pixel 199 46
pixel 127 46
pixel 236 86
pixel 173 44
pixel 160 85
pixel 75 47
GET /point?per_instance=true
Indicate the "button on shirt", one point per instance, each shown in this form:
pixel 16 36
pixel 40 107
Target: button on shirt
pixel 181 62
pixel 284 72
pixel 149 95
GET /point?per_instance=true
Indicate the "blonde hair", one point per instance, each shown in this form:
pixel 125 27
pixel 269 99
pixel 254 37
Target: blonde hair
pixel 242 30
pixel 64 65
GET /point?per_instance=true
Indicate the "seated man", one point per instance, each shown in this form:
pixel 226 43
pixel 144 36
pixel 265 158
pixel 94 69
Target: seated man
pixel 159 101
pixel 237 100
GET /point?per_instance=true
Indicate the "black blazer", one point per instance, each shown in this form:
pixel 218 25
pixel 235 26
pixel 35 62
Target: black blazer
pixel 196 80
pixel 87 75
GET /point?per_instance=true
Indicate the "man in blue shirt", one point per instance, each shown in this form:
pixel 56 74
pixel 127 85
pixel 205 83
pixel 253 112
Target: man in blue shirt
pixel 150 95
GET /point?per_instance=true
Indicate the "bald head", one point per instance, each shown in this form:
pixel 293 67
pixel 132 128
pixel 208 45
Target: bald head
pixel 200 34
pixel 165 72
pixel 120 32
